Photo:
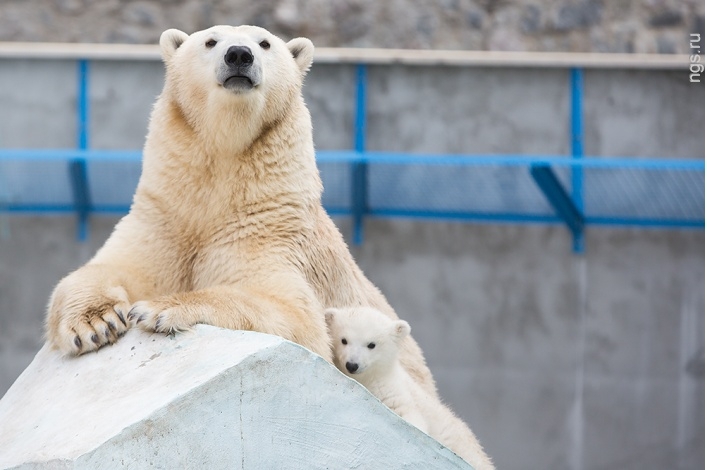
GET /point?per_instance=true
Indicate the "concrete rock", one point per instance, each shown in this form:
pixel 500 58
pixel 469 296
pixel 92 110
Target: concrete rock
pixel 209 398
pixel 578 15
pixel 666 18
pixel 531 21
pixel 532 25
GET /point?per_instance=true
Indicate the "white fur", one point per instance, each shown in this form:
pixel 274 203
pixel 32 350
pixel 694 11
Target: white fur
pixel 379 370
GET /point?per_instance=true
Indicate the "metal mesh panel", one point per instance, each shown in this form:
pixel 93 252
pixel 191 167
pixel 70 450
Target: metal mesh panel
pixel 336 177
pixel 112 183
pixel 648 192
pixel 644 193
pixel 34 184
pixel 454 189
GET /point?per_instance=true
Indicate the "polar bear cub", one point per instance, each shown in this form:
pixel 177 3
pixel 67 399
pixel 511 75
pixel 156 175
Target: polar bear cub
pixel 365 346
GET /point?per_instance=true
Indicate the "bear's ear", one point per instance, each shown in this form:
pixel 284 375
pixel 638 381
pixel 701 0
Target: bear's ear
pixel 401 329
pixel 170 42
pixel 329 315
pixel 302 50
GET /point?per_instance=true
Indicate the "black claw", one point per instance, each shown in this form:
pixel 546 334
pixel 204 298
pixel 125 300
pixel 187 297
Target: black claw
pixel 107 333
pixel 111 326
pixel 141 318
pixel 158 323
pixel 122 318
pixel 77 342
pixel 94 338
pixel 132 314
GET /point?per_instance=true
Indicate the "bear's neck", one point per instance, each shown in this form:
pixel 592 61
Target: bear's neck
pixel 274 161
pixel 381 375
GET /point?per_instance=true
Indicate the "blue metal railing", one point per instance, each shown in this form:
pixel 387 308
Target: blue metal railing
pixel 575 190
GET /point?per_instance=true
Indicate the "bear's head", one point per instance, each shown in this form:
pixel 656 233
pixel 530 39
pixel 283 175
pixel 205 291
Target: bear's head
pixel 365 341
pixel 240 72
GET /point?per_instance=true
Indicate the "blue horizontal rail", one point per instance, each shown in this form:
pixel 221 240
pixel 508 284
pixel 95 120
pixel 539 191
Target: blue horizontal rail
pixel 393 158
pixel 69 154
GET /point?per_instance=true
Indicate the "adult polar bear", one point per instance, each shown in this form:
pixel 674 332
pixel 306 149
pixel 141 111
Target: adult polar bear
pixel 226 226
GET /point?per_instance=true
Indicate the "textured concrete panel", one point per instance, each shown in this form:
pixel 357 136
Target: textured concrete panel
pixel 37 100
pixel 633 425
pixel 208 398
pixel 124 100
pixel 629 114
pixel 468 110
pixel 329 91
pixel 503 406
pixel 642 288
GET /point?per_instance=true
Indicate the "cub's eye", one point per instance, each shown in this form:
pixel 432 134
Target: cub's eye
pixel 343 341
pixel 371 345
pixel 210 43
pixel 265 44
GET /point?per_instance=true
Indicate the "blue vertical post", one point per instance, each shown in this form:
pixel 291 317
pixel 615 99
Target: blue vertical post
pixel 78 172
pixel 359 168
pixel 577 147
pixel 82 105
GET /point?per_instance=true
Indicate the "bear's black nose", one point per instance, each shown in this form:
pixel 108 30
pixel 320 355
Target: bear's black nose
pixel 238 56
pixel 351 367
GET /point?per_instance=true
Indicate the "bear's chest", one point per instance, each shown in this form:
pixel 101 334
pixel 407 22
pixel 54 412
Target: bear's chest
pixel 217 265
pixel 235 251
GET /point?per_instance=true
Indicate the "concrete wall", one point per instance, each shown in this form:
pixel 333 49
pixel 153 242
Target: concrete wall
pixel 556 360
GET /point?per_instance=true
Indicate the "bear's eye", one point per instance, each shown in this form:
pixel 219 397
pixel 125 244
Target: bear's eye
pixel 265 44
pixel 210 43
pixel 343 341
pixel 371 345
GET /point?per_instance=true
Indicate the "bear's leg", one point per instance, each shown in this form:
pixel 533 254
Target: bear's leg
pixel 88 308
pixel 281 305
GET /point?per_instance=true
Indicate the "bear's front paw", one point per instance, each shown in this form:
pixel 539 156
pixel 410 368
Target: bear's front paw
pixel 82 321
pixel 161 316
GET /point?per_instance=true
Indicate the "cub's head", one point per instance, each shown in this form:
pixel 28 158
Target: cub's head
pixel 233 65
pixel 364 339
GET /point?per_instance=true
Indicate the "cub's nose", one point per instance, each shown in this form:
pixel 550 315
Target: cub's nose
pixel 238 56
pixel 351 367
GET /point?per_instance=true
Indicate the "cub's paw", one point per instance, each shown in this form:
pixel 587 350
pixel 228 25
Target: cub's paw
pixel 80 322
pixel 161 316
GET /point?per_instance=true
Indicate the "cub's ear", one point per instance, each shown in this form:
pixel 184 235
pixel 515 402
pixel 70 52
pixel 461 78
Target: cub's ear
pixel 302 50
pixel 170 41
pixel 329 315
pixel 401 329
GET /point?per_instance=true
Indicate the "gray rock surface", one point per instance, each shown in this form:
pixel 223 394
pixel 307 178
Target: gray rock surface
pixel 651 26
